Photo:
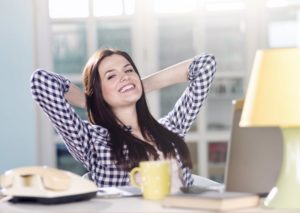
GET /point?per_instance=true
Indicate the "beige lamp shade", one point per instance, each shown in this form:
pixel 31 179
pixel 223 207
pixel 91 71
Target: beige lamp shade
pixel 273 95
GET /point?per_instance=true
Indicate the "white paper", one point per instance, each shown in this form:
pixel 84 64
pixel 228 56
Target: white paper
pixel 124 191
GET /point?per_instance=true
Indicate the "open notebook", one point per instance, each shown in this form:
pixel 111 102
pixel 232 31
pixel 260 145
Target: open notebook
pixel 254 157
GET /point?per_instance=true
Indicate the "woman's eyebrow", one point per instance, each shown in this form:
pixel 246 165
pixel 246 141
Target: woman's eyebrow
pixel 112 70
pixel 109 71
pixel 127 65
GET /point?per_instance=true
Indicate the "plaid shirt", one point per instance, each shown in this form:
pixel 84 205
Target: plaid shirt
pixel 89 143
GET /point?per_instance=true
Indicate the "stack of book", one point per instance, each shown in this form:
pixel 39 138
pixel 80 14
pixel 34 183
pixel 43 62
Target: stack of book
pixel 212 200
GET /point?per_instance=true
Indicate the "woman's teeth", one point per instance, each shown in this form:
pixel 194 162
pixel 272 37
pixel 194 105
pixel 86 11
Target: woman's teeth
pixel 126 88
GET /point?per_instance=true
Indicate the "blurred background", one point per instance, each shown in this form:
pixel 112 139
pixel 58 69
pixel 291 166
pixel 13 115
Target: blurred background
pixel 60 35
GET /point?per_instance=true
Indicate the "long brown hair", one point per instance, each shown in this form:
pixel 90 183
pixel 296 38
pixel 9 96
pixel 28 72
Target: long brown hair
pixel 100 113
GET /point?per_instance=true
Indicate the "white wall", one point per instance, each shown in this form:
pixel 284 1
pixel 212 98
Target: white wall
pixel 17 116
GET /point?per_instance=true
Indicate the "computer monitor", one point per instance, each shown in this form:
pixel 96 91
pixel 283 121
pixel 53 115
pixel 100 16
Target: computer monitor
pixel 253 158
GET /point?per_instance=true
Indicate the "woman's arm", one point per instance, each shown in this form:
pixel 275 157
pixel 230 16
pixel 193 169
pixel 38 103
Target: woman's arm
pixel 201 73
pixel 49 89
pixel 175 74
pixel 75 96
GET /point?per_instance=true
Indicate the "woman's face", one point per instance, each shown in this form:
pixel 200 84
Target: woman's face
pixel 120 84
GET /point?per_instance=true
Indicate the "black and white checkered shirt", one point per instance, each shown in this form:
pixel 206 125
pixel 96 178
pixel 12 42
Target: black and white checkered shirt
pixel 89 143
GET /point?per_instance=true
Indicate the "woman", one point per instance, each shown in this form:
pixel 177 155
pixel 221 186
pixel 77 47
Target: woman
pixel 121 132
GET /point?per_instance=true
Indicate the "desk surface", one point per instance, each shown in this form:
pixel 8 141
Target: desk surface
pixel 121 205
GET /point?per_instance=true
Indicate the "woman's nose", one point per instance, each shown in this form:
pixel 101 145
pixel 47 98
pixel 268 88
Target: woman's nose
pixel 124 77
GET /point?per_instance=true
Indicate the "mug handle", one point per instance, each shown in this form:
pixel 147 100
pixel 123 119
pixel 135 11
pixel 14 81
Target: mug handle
pixel 132 176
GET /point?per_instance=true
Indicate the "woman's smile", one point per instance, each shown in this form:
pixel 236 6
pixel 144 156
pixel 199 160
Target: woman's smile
pixel 127 88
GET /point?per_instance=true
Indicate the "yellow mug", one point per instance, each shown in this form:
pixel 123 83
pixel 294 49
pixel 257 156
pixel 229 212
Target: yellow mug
pixel 155 179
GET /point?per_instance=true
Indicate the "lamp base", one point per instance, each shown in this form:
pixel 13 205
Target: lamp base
pixel 286 193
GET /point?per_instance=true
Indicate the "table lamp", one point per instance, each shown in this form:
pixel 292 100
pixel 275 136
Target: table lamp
pixel 273 99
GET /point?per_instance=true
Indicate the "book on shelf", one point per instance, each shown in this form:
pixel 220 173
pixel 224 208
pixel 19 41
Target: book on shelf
pixel 217 152
pixel 212 200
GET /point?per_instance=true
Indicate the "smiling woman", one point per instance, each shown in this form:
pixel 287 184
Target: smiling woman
pixel 121 132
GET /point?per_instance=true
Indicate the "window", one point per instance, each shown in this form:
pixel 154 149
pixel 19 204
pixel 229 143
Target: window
pixel 160 33
pixel 69 47
pixel 115 34
pixel 282 3
pixel 227 31
pixel 174 6
pixel 113 7
pixel 224 5
pixel 284 27
pixel 169 36
pixel 68 8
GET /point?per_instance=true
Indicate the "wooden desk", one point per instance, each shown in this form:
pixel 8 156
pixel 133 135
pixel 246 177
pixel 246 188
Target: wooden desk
pixel 121 205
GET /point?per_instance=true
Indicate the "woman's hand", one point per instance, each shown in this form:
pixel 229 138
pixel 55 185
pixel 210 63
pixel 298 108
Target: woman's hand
pixel 175 74
pixel 75 96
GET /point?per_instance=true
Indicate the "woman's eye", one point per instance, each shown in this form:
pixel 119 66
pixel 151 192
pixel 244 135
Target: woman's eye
pixel 130 70
pixel 110 77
